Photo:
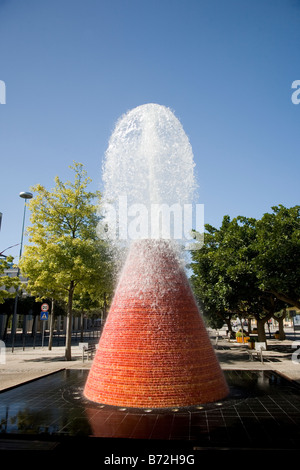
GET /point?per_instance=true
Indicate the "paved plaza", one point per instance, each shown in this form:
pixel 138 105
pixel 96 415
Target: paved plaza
pixel 42 406
pixel 24 365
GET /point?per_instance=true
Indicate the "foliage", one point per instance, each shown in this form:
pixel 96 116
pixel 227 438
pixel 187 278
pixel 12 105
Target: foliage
pixel 249 267
pixel 277 263
pixel 64 255
pixel 223 278
pixel 7 282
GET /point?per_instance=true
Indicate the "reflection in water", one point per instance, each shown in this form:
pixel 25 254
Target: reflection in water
pixel 55 406
pixel 39 407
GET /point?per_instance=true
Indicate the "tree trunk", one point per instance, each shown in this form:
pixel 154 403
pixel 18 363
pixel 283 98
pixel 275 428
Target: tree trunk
pixel 8 315
pixel 261 330
pixel 34 318
pixel 228 323
pixel 51 327
pixel 81 325
pixel 242 327
pixel 281 328
pixel 68 355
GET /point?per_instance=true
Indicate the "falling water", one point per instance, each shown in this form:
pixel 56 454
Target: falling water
pixel 154 350
pixel 148 163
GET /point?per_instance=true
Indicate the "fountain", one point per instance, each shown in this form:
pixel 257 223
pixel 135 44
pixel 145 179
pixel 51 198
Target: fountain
pixel 155 377
pixel 154 351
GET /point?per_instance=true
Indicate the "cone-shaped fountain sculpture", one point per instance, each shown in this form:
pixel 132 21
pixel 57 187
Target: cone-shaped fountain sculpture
pixel 154 350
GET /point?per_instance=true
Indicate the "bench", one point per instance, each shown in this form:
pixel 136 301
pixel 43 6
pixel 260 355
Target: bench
pixel 257 351
pixel 87 349
pixel 227 337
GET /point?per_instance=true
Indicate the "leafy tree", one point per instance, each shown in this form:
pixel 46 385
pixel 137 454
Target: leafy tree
pixel 65 255
pixel 225 278
pixel 209 284
pixel 250 267
pixel 278 260
pixel 7 282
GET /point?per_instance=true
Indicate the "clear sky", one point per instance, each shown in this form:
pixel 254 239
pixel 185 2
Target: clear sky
pixel 72 68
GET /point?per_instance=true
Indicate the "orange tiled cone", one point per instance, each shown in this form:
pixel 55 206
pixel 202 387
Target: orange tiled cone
pixel 154 350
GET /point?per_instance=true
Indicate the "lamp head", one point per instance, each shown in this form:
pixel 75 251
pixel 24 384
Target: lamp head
pixel 26 195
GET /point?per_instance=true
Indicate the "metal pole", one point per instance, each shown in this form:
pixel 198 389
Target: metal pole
pixel 14 320
pixel 43 333
pixel 25 196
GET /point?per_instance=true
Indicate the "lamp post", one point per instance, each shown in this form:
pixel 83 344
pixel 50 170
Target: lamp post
pixel 24 195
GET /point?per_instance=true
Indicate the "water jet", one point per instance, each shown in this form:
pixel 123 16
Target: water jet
pixel 154 351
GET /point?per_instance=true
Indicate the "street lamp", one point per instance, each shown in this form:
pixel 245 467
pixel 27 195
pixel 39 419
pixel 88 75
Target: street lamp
pixel 24 195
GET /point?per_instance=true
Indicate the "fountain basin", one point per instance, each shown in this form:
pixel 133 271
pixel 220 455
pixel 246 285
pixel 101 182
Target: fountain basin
pixel 262 410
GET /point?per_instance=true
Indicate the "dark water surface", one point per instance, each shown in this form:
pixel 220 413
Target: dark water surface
pixel 262 411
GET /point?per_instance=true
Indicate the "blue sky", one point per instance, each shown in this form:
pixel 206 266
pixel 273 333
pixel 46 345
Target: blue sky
pixel 72 68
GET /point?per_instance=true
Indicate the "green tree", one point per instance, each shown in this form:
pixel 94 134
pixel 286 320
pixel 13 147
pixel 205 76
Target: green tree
pixel 7 282
pixel 249 267
pixel 210 286
pixel 65 255
pixel 278 260
pixel 225 279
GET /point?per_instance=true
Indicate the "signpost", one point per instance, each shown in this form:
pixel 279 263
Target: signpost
pixel 43 317
pixel 296 322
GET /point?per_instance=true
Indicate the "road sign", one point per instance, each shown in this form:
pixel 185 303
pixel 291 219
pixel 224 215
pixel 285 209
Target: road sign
pixel 296 321
pixel 45 307
pixel 44 316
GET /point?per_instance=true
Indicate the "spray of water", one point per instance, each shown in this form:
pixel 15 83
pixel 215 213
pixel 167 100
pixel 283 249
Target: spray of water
pixel 154 350
pixel 148 168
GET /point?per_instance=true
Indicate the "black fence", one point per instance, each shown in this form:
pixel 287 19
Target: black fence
pixel 41 338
